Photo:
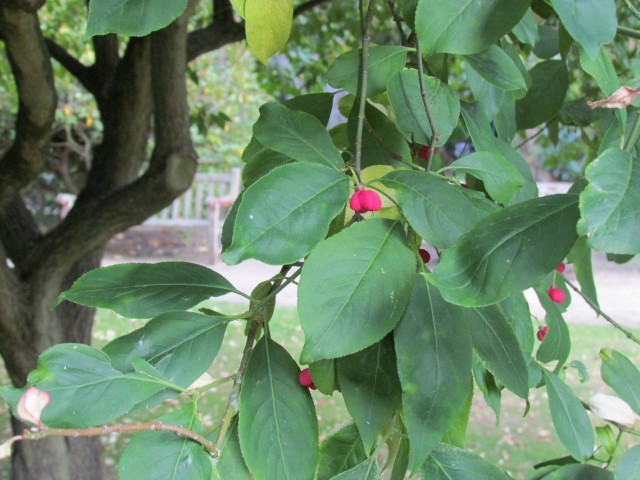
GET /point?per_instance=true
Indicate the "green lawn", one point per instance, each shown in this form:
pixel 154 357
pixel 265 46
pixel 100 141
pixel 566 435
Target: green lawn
pixel 515 443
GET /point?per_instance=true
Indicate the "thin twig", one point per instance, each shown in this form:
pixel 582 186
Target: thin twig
pixel 397 20
pixel 628 32
pixel 634 11
pixel 531 137
pixel 633 136
pixel 364 75
pixel 435 135
pixel 597 309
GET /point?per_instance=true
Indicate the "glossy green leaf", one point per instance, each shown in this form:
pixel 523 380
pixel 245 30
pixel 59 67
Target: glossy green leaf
pixel 580 257
pixel 384 62
pixel 580 472
pixel 550 81
pixel 231 465
pixel 145 290
pixel 85 389
pixel 319 105
pixel 486 382
pixel 557 343
pixel 548 44
pixel 180 345
pixel 622 375
pixel 629 464
pixel 339 452
pixel 382 143
pixel 296 134
pixel 508 251
pixel 267 26
pixel 491 98
pixel 354 288
pixel 591 23
pixel 526 31
pixel 497 345
pixel 229 222
pixel 452 463
pixel 484 140
pixel 609 203
pixel 164 455
pixel 500 178
pixel 324 375
pixel 411 117
pixel 516 310
pixel 432 206
pixel 278 426
pixel 131 17
pixel 401 462
pixel 286 213
pixel 570 419
pixel 370 387
pixel 465 26
pixel 367 470
pixel 495 66
pixel 457 434
pixel 433 348
pixel 261 164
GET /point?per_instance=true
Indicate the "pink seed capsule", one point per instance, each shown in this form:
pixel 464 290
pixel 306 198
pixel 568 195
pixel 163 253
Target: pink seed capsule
pixel 304 377
pixel 363 201
pixel 560 268
pixel 556 295
pixel 542 332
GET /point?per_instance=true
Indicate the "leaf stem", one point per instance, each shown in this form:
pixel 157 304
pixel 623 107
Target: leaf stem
pixel 634 11
pixel 364 75
pixel 597 309
pixel 633 136
pixel 531 137
pixel 628 32
pixel 435 135
pixel 397 20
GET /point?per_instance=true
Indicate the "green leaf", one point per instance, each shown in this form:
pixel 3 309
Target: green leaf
pixel 609 203
pixel 229 222
pixel 267 26
pixel 433 347
pixel 411 117
pixel 339 452
pixel 487 385
pixel 557 343
pixel 261 164
pixel 384 62
pixel 526 31
pixel 497 345
pixel 495 66
pixel 324 375
pixel 508 251
pixel 452 463
pixel 457 434
pixel 278 426
pixel 367 470
pixel 370 388
pixel 629 464
pixel 131 17
pixel 145 290
pixel 516 310
pixel 354 288
pixel 317 104
pixel 570 419
pixel 591 23
pixel 286 213
pixel 500 178
pixel 382 143
pixel 180 345
pixel 432 206
pixel 238 5
pixel 622 375
pixel 231 465
pixel 548 44
pixel 296 134
pixel 580 472
pixel 465 26
pixel 85 389
pixel 401 462
pixel 580 257
pixel 550 81
pixel 164 455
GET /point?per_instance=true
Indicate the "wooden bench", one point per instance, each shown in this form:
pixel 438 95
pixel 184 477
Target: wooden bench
pixel 205 204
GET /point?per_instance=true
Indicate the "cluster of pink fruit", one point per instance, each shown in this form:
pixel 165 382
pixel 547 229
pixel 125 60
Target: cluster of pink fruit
pixel 556 295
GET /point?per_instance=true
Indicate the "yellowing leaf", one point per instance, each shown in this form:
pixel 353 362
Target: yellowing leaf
pixel 268 24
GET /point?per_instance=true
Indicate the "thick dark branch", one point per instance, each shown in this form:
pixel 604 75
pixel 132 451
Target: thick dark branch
pixel 31 68
pixel 81 72
pixel 19 231
pixel 104 70
pixel 304 7
pixel 26 5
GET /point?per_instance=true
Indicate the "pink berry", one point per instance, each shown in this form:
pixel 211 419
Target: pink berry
pixel 425 151
pixel 560 268
pixel 304 377
pixel 542 332
pixel 424 255
pixel 363 201
pixel 556 295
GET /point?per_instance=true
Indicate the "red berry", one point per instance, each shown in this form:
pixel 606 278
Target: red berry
pixel 542 332
pixel 304 377
pixel 424 255
pixel 464 185
pixel 560 268
pixel 556 295
pixel 424 152
pixel 363 201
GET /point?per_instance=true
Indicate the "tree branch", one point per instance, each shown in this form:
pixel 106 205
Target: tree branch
pixel 19 232
pixel 33 74
pixel 81 72
pixel 25 5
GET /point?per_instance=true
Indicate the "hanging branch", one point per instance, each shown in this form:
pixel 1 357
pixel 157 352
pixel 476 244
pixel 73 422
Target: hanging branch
pixel 597 309
pixel 397 20
pixel 366 37
pixel 435 135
